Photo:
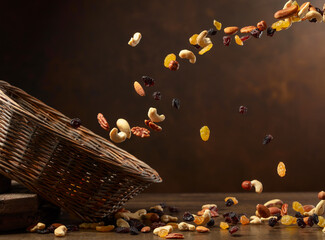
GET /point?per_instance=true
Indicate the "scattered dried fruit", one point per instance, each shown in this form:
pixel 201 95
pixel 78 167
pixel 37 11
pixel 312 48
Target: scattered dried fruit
pixel 212 32
pixel 256 33
pixel 217 24
pixel 243 109
pixel 224 225
pixel 188 217
pixel 262 25
pixel 173 65
pixel 233 229
pixel 157 96
pixel 176 103
pixel 205 49
pixel 175 236
pixel 267 139
pixel 244 220
pixel 205 133
pixel 238 41
pixel 226 40
pixel 281 169
pixel 148 81
pixel 170 57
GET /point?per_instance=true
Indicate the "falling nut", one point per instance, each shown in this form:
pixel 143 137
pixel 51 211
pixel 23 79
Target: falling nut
pixel 168 218
pixel 202 40
pixel 258 186
pixel 102 121
pixel 304 8
pixel 287 4
pixel 262 25
pixel 124 126
pixel 263 211
pixel 183 226
pixel 308 208
pixel 314 15
pixel 139 89
pixel 274 210
pixel 60 231
pixel 140 132
pixel 135 40
pixel 116 136
pixel 247 29
pixel 230 30
pixel 152 125
pixel 187 54
pixel 320 208
pixel 122 223
pixel 286 13
pixel 153 115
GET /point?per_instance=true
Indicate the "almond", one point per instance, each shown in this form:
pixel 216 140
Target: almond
pixel 247 29
pixel 202 229
pixel 274 210
pixel 308 208
pixel 230 30
pixel 263 211
pixel 286 13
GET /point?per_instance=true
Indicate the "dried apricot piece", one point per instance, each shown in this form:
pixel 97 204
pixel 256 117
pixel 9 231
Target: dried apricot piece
pixel 244 220
pixel 238 41
pixel 163 233
pixel 193 39
pixel 205 49
pixel 281 169
pixel 224 225
pixel 217 24
pixel 168 59
pixel 198 220
pixel 205 133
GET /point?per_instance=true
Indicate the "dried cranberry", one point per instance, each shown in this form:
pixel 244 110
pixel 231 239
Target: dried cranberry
pixel 243 109
pixel 245 38
pixel 148 81
pixel 228 220
pixel 267 139
pixel 272 222
pixel 256 33
pixel 212 32
pixel 226 40
pixel 156 95
pixel 75 123
pixel 270 31
pixel 176 103
pixel 122 230
pixel 188 217
pixel 233 229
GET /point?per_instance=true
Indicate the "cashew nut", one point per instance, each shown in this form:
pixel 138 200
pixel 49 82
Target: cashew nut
pixel 311 212
pixel 323 230
pixel 124 126
pixel 168 218
pixel 187 54
pixel 255 220
pixel 320 208
pixel 128 215
pixel 268 218
pixel 135 39
pixel 183 226
pixel 60 231
pixel 314 14
pixel 38 226
pixel 208 206
pixel 122 223
pixel 258 186
pixel 304 8
pixel 157 207
pixel 202 40
pixel 153 115
pixel 167 227
pixel 116 136
pixel 274 203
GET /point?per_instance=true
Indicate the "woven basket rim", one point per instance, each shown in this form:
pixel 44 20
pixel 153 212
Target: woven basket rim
pixel 131 165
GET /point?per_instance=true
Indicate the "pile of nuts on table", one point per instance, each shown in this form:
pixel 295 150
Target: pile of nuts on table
pixel 160 221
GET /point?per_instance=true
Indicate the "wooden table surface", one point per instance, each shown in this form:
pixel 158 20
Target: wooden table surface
pixel 193 203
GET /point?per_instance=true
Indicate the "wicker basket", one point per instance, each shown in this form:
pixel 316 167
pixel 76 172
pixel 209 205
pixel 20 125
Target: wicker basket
pixel 73 168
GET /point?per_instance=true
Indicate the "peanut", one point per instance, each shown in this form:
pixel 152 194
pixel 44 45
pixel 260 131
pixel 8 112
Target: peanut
pixel 60 231
pixel 135 40
pixel 122 223
pixel 168 218
pixel 258 186
pixel 153 115
pixel 183 226
pixel 187 54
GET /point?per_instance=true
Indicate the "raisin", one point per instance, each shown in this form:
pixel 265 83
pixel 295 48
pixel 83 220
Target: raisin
pixel 72 228
pixel 310 221
pixel 176 103
pixel 282 172
pixel 43 231
pixel 157 224
pixel 267 139
pixel 226 40
pixel 205 133
pixel 75 123
pixel 122 230
pixel 315 218
pixel 233 229
pixel 272 222
pixel 153 210
pixel 256 33
pixel 163 205
pixel 278 215
pixel 319 11
pixel 156 95
pixel 245 38
pixel 148 81
pixel 228 220
pixel 210 223
pixel 229 202
pixel 136 223
pixel 301 223
pixel 287 220
pixel 299 215
pixel 188 217
pixel 217 24
pixel 173 209
pixel 243 109
pixel 212 32
pixel 270 31
pixel 173 65
pixel 134 231
pixel 168 59
pixel 197 46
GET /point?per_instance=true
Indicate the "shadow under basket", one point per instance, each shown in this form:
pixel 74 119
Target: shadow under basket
pixel 75 169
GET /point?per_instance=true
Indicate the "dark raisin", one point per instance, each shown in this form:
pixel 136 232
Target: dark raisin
pixel 43 231
pixel 188 217
pixel 245 38
pixel 272 222
pixel 234 218
pixel 122 230
pixel 313 20
pixel 315 218
pixel 233 229
pixel 226 40
pixel 299 215
pixel 156 95
pixel 319 11
pixel 210 223
pixel 136 223
pixel 256 33
pixel 278 215
pixel 228 220
pixel 153 210
pixel 267 139
pixel 148 81
pixel 301 223
pixel 157 224
pixel 72 228
pixel 134 231
pixel 243 109
pixel 173 209
pixel 163 205
pixel 270 31
pixel 212 32
pixel 197 46
pixel 229 202
pixel 75 122
pixel 310 221
pixel 176 103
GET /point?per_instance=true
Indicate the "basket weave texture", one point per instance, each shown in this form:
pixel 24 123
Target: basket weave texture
pixel 75 169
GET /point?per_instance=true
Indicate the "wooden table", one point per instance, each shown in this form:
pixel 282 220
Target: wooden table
pixel 193 203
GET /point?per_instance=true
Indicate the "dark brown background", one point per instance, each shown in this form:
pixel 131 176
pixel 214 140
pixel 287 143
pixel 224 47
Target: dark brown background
pixel 74 56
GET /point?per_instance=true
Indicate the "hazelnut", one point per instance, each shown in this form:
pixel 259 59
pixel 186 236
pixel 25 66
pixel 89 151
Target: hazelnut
pixel 321 195
pixel 173 65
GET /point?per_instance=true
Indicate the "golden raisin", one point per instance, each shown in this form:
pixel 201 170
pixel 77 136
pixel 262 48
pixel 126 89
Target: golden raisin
pixel 163 233
pixel 205 133
pixel 281 169
pixel 206 49
pixel 239 41
pixel 298 207
pixel 168 59
pixel 217 24
pixel 224 225
pixel 193 39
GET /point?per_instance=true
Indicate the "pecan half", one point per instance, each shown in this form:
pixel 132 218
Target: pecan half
pixel 175 236
pixel 152 125
pixel 140 132
pixel 102 121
